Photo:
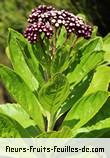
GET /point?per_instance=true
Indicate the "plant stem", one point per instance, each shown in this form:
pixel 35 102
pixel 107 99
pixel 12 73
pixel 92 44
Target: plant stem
pixel 75 41
pixel 50 122
pixel 53 52
pixel 54 44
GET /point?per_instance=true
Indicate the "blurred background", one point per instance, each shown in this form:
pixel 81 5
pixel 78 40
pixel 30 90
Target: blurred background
pixel 14 13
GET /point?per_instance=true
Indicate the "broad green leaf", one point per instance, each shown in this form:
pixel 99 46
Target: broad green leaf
pixel 83 47
pixel 106 48
pixel 32 62
pixel 16 112
pixel 29 56
pixel 65 132
pixel 95 44
pixel 18 35
pixel 106 43
pixel 22 94
pixel 10 128
pixel 35 68
pixel 19 63
pixel 61 38
pixel 76 93
pixel 100 81
pixel 54 92
pixel 93 131
pixel 87 63
pixel 101 115
pixel 85 109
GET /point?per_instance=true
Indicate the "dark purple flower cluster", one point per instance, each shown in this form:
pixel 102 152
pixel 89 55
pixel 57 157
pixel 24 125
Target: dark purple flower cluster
pixel 45 18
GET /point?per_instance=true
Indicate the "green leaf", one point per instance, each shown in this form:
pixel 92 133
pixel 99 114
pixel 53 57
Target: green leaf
pixel 29 56
pixel 100 81
pixel 22 94
pixel 102 114
pixel 10 128
pixel 17 35
pixel 85 109
pixel 95 44
pixel 81 47
pixel 18 61
pixel 32 62
pixel 106 43
pixel 65 132
pixel 88 62
pixel 16 112
pixel 61 38
pixel 36 69
pixel 54 92
pixel 76 93
pixel 94 131
pixel 106 48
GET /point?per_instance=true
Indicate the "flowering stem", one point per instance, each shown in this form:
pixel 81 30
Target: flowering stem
pixel 74 42
pixel 54 44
